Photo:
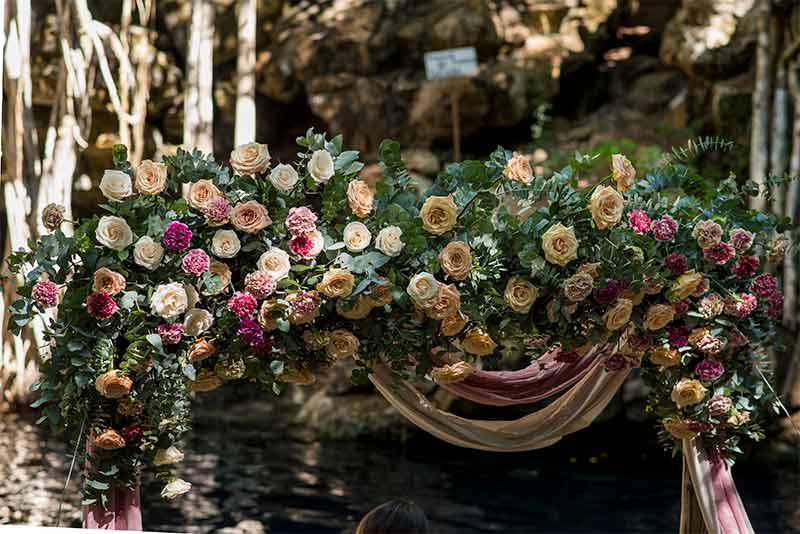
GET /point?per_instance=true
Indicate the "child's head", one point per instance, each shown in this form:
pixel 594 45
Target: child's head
pixel 399 516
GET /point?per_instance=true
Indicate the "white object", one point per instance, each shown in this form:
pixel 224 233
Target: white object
pixel 450 63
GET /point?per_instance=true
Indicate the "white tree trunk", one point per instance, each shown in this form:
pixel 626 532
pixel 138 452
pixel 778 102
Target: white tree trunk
pixel 759 141
pixel 780 135
pixel 246 74
pixel 198 106
pixel 792 198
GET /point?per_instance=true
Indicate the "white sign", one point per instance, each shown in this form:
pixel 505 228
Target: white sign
pixel 451 62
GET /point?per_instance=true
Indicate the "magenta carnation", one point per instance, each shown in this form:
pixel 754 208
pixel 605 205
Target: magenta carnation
pixel 218 210
pixel 171 334
pixel 132 433
pixel 250 332
pixel 639 221
pixel 681 306
pixel 615 362
pixel 101 306
pixel 609 293
pixel 678 335
pixel 303 246
pixel 677 263
pixel 764 285
pixel 301 221
pixel 745 266
pixel 196 262
pixel 775 308
pixel 709 370
pixel 259 284
pixel 242 304
pixel 45 293
pixel 719 405
pixel 741 239
pixel 719 254
pixel 177 236
pixel 664 229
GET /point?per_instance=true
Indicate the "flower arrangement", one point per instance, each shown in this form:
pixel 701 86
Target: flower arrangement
pixel 271 274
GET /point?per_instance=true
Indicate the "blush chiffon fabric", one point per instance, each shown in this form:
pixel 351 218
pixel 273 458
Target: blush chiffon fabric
pixel 124 511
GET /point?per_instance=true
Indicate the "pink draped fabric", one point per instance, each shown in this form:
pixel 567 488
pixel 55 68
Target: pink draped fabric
pixel 540 380
pixel 124 510
pixel 731 515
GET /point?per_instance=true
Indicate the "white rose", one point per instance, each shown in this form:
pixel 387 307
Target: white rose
pixel 168 456
pixel 113 232
pixel 225 244
pixel 148 253
pixel 423 287
pixel 192 296
pixel 356 236
pixel 116 185
pixel 169 300
pixel 389 242
pixel 320 166
pixel 197 321
pixel 283 177
pixel 176 488
pixel 275 262
pixel 250 158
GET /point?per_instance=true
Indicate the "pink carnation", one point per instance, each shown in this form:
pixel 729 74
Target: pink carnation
pixel 677 263
pixel 177 236
pixel 764 285
pixel 306 246
pixel 639 221
pixel 306 303
pixel 709 344
pixel 170 334
pixel 242 304
pixel 301 221
pixel 745 266
pixel 742 306
pixel 664 229
pixel 719 405
pixel 719 254
pixel 101 306
pixel 741 239
pixel 259 284
pixel 45 293
pixel 218 210
pixel 196 262
pixel 775 309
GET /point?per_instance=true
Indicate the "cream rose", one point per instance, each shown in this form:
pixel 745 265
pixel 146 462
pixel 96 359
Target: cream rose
pixel 250 217
pixel 336 283
pixel 518 169
pixel 201 193
pixel 150 177
pixel 560 244
pixel 452 325
pixel 606 206
pixel 623 172
pixel 446 303
pixel 148 253
pixel 116 185
pixel 175 489
pixel 275 262
pixel 107 281
pixel 451 373
pixel 456 260
pixel 687 391
pixel 389 242
pixel 113 232
pixel 658 316
pixel 618 315
pixel 320 166
pixel 360 198
pixel 342 344
pixel 222 271
pixel 578 286
pixel 225 244
pixel 172 455
pixel 192 297
pixel 359 309
pixel 423 288
pixel 169 300
pixel 197 321
pixel 520 294
pixel 250 158
pixel 356 236
pixel 283 177
pixel 439 214
pixel 478 342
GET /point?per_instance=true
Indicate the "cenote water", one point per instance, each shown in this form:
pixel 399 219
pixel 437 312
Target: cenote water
pixel 251 467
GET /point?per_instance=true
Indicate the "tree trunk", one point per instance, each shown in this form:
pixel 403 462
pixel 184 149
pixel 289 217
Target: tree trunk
pixel 759 142
pixel 198 103
pixel 246 74
pixel 780 135
pixel 792 198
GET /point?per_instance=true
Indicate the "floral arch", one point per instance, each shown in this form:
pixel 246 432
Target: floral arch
pixel 270 272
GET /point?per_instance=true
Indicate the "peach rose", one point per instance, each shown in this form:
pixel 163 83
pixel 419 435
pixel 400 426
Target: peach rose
pixel 618 315
pixel 606 205
pixel 201 193
pixel 478 342
pixel 107 281
pixel 623 172
pixel 687 392
pixel 205 380
pixel 452 373
pixel 520 294
pixel 150 177
pixel 452 325
pixel 665 357
pixel 560 244
pixel 658 316
pixel 456 260
pixel 679 428
pixel 342 344
pixel 518 169
pixel 250 217
pixel 685 285
pixel 439 214
pixel 590 268
pixel 446 303
pixel 200 350
pixel 109 440
pixel 250 158
pixel 336 283
pixel 265 317
pixel 359 309
pixel 113 385
pixel 223 272
pixel 359 197
pixel 578 286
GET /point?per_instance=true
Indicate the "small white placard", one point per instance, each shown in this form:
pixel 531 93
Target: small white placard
pixel 450 63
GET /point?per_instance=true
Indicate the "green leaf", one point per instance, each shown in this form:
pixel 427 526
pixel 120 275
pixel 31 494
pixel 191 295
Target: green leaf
pixel 276 366
pixel 189 372
pixel 96 484
pixel 155 340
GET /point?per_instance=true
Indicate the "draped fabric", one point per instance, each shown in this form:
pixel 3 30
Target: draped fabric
pixel 123 511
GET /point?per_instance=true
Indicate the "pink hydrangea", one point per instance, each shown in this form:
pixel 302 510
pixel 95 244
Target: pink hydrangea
pixel 242 304
pixel 259 284
pixel 741 306
pixel 196 262
pixel 719 405
pixel 301 221
pixel 218 210
pixel 177 236
pixel 745 266
pixel 677 263
pixel 101 306
pixel 170 334
pixel 709 344
pixel 45 293
pixel 664 229
pixel 639 221
pixel 719 254
pixel 764 285
pixel 741 239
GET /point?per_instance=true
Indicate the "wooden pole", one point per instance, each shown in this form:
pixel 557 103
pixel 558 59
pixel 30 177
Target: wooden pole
pixel 692 521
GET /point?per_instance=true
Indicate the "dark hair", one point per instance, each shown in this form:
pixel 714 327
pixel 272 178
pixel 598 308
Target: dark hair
pixel 399 516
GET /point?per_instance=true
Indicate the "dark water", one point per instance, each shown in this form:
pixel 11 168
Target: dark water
pixel 251 468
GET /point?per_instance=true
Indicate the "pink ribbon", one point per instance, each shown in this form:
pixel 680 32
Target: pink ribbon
pixel 124 511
